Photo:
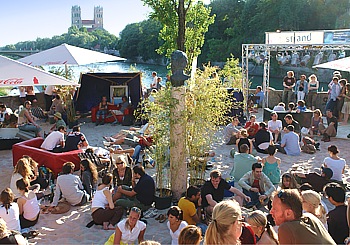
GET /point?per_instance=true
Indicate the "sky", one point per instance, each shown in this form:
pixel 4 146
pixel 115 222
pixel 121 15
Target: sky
pixel 23 20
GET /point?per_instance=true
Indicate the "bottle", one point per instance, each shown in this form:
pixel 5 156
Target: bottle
pixel 203 214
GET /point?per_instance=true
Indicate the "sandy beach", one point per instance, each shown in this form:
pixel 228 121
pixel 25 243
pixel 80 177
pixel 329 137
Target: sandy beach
pixel 70 228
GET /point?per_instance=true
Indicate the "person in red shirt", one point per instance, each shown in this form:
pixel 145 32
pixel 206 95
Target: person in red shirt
pixel 252 126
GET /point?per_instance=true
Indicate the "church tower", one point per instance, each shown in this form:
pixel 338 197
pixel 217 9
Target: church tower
pixel 76 16
pixel 98 17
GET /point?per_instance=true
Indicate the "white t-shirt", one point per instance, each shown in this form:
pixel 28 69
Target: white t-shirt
pixel 52 140
pixel 154 84
pixel 337 167
pixel 175 235
pixel 49 89
pixel 11 216
pixel 13 187
pixel 129 236
pixel 273 125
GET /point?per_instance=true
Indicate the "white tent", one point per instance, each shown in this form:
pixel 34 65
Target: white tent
pixel 339 65
pixel 14 73
pixel 65 54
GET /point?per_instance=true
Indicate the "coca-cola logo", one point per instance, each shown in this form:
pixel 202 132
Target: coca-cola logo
pixel 12 81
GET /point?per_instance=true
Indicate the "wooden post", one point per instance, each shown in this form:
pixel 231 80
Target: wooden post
pixel 178 165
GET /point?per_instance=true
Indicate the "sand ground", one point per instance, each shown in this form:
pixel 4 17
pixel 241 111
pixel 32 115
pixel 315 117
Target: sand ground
pixel 70 228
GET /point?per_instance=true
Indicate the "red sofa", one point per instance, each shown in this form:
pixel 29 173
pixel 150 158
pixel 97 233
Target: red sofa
pixel 109 118
pixel 54 161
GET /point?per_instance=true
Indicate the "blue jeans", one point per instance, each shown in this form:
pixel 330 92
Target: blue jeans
pixel 101 113
pixel 331 105
pixel 137 152
pixel 203 227
pixel 30 128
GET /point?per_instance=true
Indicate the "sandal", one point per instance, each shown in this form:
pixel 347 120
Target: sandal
pixel 162 219
pixel 105 225
pixel 159 216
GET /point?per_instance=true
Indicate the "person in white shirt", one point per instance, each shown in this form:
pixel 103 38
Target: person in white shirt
pixel 175 223
pixel 335 163
pixel 49 90
pixel 274 126
pixel 155 78
pixel 130 229
pixel 54 141
pixel 9 210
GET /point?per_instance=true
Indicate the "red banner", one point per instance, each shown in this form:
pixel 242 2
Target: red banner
pixel 12 81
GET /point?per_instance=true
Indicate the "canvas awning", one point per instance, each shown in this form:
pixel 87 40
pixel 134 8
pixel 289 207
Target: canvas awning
pixel 339 65
pixel 14 73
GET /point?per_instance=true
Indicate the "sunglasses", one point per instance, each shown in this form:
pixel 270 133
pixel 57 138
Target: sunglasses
pixel 136 209
pixel 282 195
pixel 119 163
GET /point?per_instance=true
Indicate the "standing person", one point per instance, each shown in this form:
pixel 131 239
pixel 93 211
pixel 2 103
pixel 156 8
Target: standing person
pixel 26 120
pixel 31 94
pixel 288 85
pixel 316 121
pixel 340 98
pixel 301 88
pixel 131 229
pixel 346 107
pixel 70 187
pixel 103 211
pixel 274 126
pixel 264 232
pixel 333 99
pixel 290 142
pixel 337 223
pixel 102 111
pixel 312 204
pixel 294 226
pixel 257 186
pixel 226 227
pixel 335 163
pixel 9 210
pixel 313 90
pixel 191 234
pixel 175 223
pixel 231 131
pixel 22 94
pixel 89 176
pixel 272 165
pixel 29 209
pixel 190 206
pixel 154 82
pixel 49 90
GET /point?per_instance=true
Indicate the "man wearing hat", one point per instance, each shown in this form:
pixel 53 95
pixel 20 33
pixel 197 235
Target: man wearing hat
pixel 59 121
pixel 316 180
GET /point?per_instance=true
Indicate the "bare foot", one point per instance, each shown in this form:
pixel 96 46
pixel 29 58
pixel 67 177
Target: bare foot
pixel 111 227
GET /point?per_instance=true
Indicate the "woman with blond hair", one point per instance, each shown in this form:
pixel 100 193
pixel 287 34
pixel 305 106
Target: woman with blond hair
pixel 10 237
pixel 312 204
pixel 36 179
pixel 313 89
pixel 264 232
pixel 22 171
pixel 226 225
pixel 243 139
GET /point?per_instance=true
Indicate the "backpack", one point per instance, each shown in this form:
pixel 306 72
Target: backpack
pixel 308 148
pixel 128 120
pixel 47 174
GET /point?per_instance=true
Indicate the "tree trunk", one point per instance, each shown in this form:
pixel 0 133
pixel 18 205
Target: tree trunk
pixel 181 31
pixel 178 166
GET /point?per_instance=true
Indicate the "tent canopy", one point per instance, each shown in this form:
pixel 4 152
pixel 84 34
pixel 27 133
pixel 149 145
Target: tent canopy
pixel 68 54
pixel 340 65
pixel 14 73
pixel 95 85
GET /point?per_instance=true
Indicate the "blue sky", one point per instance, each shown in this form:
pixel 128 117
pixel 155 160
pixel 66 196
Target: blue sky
pixel 23 20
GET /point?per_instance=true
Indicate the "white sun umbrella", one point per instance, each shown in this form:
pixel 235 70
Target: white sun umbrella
pixel 339 65
pixel 65 54
pixel 15 73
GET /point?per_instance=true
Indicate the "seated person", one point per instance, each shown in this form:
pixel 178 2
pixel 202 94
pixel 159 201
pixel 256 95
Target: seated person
pixel 231 131
pixel 301 106
pixel 9 210
pixel 9 236
pixel 290 121
pixel 316 180
pixel 331 130
pixel 257 186
pixel 252 126
pixel 263 138
pixel 4 114
pixel 259 93
pixel 124 105
pixel 58 121
pixel 88 176
pixel 335 163
pixel 75 140
pixel 102 111
pixel 141 195
pixel 316 121
pixel 212 192
pixel 280 107
pixel 274 126
pixel 291 106
pixel 243 139
pixel 338 226
pixel 70 187
pixel 55 140
pixel 243 162
pixel 290 142
pixel 190 206
pixel 122 174
pixel 26 120
pixel 57 105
